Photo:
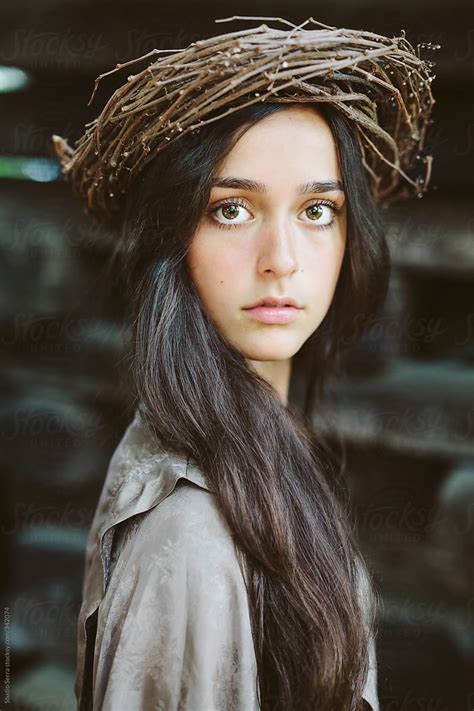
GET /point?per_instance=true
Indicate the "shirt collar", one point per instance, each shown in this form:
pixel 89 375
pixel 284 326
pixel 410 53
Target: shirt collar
pixel 140 471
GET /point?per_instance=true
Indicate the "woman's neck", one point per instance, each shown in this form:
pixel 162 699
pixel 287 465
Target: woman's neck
pixel 277 373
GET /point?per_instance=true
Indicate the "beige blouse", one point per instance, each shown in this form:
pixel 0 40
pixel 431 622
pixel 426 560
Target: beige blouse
pixel 164 623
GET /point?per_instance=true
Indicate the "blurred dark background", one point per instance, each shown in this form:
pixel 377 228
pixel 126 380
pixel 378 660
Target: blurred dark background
pixel 405 409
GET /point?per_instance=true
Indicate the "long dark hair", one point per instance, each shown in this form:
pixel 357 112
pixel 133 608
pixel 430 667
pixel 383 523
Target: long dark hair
pixel 199 397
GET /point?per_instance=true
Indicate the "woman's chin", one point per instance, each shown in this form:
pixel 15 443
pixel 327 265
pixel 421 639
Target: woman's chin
pixel 272 349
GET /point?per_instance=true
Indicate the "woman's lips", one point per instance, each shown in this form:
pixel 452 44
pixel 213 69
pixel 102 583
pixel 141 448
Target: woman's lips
pixel 274 314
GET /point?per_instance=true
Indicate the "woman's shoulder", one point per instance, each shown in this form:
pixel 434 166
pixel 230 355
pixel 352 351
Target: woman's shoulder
pixel 154 494
pixel 141 474
pixel 173 629
pixel 158 548
pixel 190 513
pixel 180 534
pixel 181 547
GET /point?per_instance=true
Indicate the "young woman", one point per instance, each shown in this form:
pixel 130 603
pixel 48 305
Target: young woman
pixel 222 571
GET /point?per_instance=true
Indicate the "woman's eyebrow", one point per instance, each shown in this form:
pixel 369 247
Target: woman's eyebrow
pixel 316 186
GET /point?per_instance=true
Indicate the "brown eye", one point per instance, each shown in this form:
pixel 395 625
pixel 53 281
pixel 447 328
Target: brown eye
pixel 230 211
pixel 321 214
pixel 315 211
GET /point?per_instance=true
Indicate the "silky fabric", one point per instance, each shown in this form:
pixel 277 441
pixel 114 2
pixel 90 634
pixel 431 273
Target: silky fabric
pixel 164 623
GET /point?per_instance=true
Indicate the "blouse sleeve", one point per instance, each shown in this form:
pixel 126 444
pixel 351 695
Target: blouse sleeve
pixel 370 694
pixel 173 628
pixel 368 599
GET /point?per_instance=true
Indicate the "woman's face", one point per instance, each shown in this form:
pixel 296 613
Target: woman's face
pixel 272 240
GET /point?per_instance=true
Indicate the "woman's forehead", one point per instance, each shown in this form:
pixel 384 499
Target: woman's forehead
pixel 294 121
pixel 297 148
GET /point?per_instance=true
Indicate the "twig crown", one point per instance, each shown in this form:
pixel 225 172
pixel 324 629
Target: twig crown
pixel 380 83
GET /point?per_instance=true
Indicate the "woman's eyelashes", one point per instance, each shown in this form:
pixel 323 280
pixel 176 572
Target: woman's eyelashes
pixel 321 213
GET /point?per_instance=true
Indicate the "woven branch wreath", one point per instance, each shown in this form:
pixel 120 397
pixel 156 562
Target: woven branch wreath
pixel 380 83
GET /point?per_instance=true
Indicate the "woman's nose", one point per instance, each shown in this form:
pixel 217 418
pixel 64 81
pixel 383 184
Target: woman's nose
pixel 277 248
